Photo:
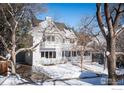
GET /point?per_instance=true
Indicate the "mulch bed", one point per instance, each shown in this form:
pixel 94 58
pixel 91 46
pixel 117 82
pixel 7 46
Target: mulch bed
pixel 25 71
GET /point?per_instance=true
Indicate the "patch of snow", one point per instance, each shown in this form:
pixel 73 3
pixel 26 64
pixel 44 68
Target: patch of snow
pixel 54 83
pixel 96 81
pixel 96 68
pixel 11 80
pixel 120 71
pixel 121 82
pixel 66 82
pixel 77 82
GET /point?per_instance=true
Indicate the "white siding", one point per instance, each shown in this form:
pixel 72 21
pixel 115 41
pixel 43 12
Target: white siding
pixel 58 44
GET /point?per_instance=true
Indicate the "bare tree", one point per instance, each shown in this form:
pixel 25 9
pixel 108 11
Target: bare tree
pixel 120 43
pixel 83 40
pixel 85 35
pixel 110 26
pixel 13 14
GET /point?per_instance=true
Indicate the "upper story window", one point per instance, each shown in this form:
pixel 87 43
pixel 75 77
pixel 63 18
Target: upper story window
pixel 63 40
pixel 71 40
pixel 53 38
pixel 50 38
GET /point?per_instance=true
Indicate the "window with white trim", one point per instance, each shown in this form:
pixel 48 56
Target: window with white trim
pixel 50 38
pixel 48 54
pixel 86 53
pixel 73 53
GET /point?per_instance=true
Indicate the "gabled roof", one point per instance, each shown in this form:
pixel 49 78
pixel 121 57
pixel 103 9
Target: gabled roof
pixel 66 31
pixel 61 26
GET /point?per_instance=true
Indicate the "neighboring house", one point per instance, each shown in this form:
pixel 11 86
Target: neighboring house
pixel 58 44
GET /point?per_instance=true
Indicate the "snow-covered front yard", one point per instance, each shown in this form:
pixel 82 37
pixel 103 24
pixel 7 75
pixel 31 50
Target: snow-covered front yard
pixel 64 71
pixel 60 74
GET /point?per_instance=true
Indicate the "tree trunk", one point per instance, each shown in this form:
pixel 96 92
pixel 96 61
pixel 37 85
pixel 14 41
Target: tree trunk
pixel 82 57
pixel 111 61
pixel 13 53
pixel 13 68
pixel 105 61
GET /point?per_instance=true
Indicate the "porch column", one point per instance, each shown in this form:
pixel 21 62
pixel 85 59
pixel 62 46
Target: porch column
pixel 48 54
pixel 44 54
pixel 64 54
pixel 91 56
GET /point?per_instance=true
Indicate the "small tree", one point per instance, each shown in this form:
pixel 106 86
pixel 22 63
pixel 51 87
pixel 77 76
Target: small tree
pixel 83 40
pixel 85 35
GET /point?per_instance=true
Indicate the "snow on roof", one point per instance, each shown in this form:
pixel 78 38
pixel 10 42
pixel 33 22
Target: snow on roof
pixel 49 23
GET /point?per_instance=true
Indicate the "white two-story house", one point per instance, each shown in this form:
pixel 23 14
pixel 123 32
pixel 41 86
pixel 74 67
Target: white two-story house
pixel 58 43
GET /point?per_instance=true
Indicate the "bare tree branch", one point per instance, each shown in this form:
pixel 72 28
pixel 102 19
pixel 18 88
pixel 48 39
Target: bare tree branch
pixel 1 57
pixel 4 43
pixel 11 7
pixel 21 15
pixel 27 49
pixel 119 32
pixel 119 53
pixel 10 13
pixel 91 21
pixel 95 35
pixel 6 19
pixel 117 16
pixel 108 18
pixel 13 17
pixel 99 19
pixel 111 12
pixel 16 25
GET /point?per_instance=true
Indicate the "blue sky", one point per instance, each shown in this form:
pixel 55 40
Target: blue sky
pixel 69 13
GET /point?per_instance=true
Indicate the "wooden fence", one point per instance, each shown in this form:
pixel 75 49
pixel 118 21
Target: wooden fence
pixel 3 68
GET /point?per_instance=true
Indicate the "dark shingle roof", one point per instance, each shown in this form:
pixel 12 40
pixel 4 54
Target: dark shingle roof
pixel 35 22
pixel 61 26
